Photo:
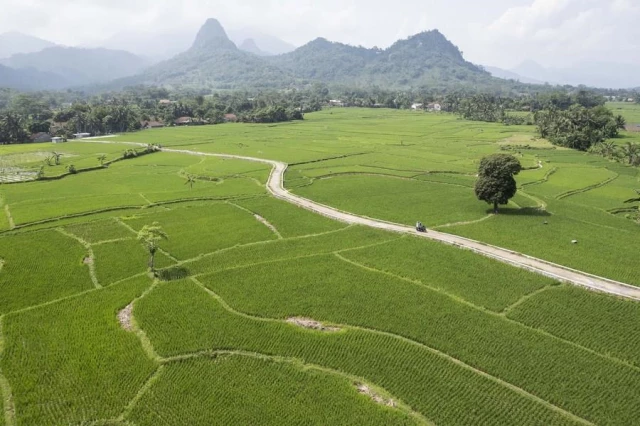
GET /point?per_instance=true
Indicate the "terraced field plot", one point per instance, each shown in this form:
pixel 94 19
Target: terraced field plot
pixel 264 313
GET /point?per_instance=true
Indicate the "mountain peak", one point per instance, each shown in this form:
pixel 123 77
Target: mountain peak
pixel 249 45
pixel 212 35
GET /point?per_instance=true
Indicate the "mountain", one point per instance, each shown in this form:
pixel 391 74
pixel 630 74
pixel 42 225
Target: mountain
pixel 30 79
pixel 213 61
pixel 249 45
pixel 268 44
pixel 510 75
pixel 12 43
pixel 427 58
pixel 80 66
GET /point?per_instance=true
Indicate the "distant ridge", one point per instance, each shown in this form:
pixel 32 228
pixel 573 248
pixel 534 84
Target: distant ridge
pixel 214 61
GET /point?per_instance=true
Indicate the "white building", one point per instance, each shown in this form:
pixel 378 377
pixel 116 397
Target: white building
pixel 417 107
pixel 57 139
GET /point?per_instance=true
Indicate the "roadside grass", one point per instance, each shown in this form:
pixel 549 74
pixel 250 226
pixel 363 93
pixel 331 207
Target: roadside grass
pixel 181 318
pixel 327 289
pixel 198 229
pixel 39 267
pixel 246 390
pixel 606 324
pixel 71 362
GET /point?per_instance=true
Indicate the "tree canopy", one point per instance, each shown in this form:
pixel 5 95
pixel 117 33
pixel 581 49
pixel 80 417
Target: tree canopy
pixel 496 184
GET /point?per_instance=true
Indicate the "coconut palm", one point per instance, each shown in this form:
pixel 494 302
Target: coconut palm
pixel 191 180
pixel 150 236
pixel 56 157
pixel 631 152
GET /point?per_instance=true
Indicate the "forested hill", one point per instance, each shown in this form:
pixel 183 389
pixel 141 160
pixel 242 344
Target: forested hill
pixel 213 61
pixel 426 59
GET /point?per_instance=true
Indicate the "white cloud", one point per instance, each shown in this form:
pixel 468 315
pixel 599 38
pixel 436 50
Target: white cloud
pixel 561 32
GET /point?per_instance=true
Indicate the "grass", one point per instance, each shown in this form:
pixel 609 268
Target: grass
pixel 496 287
pixel 247 390
pixel 71 362
pixel 375 196
pixel 198 229
pixel 326 289
pixel 603 323
pixel 458 338
pixel 39 267
pixel 289 220
pixel 178 319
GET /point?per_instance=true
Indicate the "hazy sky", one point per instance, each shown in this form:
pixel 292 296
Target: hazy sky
pixel 491 32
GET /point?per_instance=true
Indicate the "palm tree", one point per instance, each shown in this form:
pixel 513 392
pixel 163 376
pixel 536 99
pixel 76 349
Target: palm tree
pixel 150 236
pixel 102 158
pixel 56 156
pixel 191 180
pixel 632 153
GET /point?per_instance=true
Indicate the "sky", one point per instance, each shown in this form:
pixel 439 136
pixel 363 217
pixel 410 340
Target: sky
pixel 502 33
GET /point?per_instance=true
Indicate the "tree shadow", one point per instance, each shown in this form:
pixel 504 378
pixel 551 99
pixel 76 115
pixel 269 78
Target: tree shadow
pixel 173 274
pixel 524 211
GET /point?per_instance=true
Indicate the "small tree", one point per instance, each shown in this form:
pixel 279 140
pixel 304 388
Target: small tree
pixel 72 169
pixel 495 183
pixel 191 180
pixel 150 236
pixel 56 157
pixel 102 158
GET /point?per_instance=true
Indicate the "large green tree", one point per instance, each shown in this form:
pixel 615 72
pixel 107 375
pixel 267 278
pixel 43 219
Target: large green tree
pixel 496 184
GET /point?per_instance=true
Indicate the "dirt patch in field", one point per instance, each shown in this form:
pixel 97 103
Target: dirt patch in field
pixel 88 260
pixel 311 324
pixel 366 390
pixel 125 317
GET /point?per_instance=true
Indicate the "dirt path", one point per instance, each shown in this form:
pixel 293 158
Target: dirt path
pixel 543 267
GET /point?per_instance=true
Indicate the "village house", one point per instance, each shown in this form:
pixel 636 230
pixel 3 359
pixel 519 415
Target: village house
pixel 57 139
pixel 336 103
pixel 41 137
pixel 150 124
pixel 434 107
pixel 417 107
pixel 183 121
pixel 230 118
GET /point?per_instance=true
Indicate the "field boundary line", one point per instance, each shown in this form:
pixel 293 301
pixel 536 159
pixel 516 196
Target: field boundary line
pixel 533 264
pixel 304 366
pixel 92 257
pixel 434 351
pixel 288 259
pixel 5 388
pixel 155 376
pixel 500 315
pixel 259 218
pixel 259 243
pixel 586 189
pixel 145 342
pixel 145 198
pixel 524 298
pixel 7 212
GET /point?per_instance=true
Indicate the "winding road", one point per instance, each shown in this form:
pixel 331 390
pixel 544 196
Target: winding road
pixel 275 185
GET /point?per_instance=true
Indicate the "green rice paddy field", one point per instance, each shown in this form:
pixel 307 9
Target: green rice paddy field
pixel 264 313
